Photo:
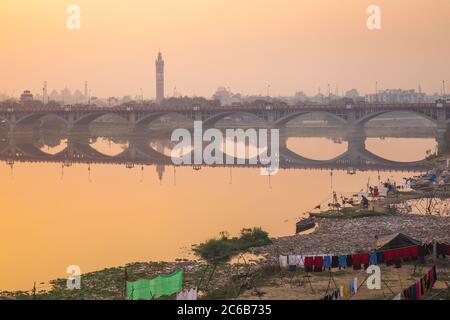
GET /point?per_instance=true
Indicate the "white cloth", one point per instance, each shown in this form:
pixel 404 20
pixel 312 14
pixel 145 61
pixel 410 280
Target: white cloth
pixel 398 297
pixel 382 191
pixel 296 260
pixel 355 284
pixel 283 261
pixel 187 294
pixel 300 260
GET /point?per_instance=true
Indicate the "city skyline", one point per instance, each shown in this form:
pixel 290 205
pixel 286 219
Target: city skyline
pixel 286 45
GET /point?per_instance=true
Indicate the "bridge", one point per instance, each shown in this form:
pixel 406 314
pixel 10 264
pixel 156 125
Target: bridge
pixel 276 116
pixel 78 150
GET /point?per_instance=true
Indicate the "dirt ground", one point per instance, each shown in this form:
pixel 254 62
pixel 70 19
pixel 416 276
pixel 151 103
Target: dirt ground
pixel 313 286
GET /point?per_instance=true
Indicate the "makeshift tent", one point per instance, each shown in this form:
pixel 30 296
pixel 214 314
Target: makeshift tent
pixel 162 285
pixel 396 240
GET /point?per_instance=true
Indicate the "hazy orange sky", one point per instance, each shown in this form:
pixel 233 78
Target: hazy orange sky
pixel 242 44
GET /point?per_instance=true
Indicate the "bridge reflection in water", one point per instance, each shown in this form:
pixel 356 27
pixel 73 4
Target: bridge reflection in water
pixel 110 215
pixel 153 148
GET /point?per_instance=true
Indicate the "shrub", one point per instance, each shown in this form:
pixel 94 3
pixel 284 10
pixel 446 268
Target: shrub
pixel 222 249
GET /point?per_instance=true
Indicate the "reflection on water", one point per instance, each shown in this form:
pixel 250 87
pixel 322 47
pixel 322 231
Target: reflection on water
pixel 104 215
pixel 309 147
pixel 411 149
pixel 59 146
pixel 108 146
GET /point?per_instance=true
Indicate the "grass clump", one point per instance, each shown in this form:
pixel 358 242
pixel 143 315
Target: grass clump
pixel 224 248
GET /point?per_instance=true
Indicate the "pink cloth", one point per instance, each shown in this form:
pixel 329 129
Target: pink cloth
pixel 418 290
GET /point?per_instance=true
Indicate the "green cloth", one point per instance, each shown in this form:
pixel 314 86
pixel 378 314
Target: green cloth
pixel 162 285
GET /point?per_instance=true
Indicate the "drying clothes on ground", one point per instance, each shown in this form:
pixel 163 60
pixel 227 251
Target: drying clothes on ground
pixel 283 261
pixel 327 262
pixel 405 254
pixel 318 263
pixel 441 249
pixel 187 294
pixel 300 260
pixel 422 286
pixel 351 287
pixel 389 257
pixel 309 264
pixel 334 261
pixel 380 257
pixel 162 285
pixel 346 291
pixel 355 284
pixel 418 290
pixel 398 297
pixel 414 252
pixel 356 258
pixel 342 262
pixel 422 253
pixel 349 260
pixel 373 258
pixel 364 258
pixel 295 260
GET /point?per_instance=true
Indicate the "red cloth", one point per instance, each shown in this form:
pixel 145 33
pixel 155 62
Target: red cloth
pixel 356 259
pixel 405 253
pixel 414 251
pixel 389 255
pixel 318 262
pixel 364 258
pixel 397 254
pixel 309 261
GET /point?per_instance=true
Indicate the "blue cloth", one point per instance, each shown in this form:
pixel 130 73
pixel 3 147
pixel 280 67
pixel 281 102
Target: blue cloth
pixel 327 262
pixel 380 257
pixel 373 258
pixel 342 261
pixel 351 286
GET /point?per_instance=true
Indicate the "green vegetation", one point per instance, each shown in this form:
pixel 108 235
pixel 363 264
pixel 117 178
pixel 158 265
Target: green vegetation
pixel 222 249
pixel 350 213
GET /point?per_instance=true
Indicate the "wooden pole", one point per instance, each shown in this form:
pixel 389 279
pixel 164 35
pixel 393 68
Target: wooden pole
pixel 34 291
pixel 434 251
pixel 125 276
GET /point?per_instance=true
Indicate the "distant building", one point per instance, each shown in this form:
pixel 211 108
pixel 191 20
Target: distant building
pixel 352 94
pixel 26 98
pixel 66 96
pixel 226 97
pixel 396 96
pixel 159 63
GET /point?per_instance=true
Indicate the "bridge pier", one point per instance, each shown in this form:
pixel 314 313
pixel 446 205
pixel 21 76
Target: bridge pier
pixel 356 139
pixel 441 133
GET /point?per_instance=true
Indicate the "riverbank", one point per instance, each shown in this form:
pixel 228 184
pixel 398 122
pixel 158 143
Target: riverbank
pixel 338 236
pixel 345 236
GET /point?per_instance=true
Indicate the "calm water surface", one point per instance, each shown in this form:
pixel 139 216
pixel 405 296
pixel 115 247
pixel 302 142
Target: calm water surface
pixel 109 215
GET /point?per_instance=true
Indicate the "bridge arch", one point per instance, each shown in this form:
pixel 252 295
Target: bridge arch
pixel 34 117
pixel 285 119
pixel 91 117
pixel 217 117
pixel 147 119
pixel 363 120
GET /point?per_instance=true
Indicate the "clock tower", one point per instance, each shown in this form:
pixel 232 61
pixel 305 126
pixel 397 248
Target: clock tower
pixel 159 63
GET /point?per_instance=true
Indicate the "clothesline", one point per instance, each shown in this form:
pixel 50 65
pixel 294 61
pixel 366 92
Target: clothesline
pixel 377 250
pixel 320 262
pixel 420 287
